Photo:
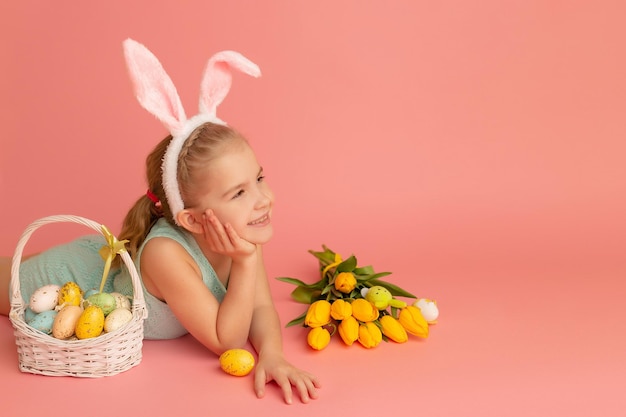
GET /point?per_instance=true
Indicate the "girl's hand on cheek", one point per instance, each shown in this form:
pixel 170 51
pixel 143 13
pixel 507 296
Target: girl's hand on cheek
pixel 223 239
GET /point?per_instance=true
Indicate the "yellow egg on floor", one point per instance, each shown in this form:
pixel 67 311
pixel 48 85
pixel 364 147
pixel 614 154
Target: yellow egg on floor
pixel 238 362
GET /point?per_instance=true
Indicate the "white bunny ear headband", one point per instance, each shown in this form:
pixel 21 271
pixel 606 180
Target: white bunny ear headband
pixel 156 93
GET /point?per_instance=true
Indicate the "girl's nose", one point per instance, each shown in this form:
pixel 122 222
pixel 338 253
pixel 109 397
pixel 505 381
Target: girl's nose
pixel 265 197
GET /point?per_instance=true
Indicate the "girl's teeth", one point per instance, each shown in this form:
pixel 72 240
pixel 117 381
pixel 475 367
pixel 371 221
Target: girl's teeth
pixel 259 221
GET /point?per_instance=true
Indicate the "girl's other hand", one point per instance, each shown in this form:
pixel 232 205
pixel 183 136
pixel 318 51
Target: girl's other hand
pixel 287 377
pixel 223 239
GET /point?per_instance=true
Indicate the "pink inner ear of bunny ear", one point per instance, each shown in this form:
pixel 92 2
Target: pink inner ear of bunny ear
pixel 154 89
pixel 217 78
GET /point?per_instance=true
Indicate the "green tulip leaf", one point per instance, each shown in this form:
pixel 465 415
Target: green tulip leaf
pixel 393 289
pixel 336 293
pixel 364 270
pixel 326 257
pixel 326 290
pixel 316 285
pixel 355 293
pixel 298 320
pixel 305 295
pixel 364 278
pixel 348 265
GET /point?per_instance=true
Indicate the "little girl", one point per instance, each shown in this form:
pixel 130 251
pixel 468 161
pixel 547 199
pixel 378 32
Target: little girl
pixel 196 236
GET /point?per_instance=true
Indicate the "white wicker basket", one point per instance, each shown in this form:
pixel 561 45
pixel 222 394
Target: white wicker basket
pixel 105 355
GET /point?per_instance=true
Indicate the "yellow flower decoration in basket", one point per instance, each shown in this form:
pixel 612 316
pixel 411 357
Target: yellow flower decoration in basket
pixel 108 252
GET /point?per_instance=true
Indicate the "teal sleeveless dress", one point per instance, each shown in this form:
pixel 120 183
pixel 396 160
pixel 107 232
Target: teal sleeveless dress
pixel 79 261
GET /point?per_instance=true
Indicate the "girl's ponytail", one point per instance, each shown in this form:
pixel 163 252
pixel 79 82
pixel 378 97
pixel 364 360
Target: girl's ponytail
pixel 138 222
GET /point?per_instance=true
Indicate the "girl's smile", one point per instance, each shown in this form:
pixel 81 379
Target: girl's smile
pixel 263 221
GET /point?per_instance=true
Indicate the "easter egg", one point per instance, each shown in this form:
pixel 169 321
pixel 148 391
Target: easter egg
pixel 237 362
pixel 121 301
pixel 43 321
pixel 379 296
pixel 116 319
pixel 90 323
pixel 65 321
pixel 44 298
pixel 70 294
pixel 29 314
pixel 103 300
pixel 429 309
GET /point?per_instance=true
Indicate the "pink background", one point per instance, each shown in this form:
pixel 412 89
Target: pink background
pixel 474 149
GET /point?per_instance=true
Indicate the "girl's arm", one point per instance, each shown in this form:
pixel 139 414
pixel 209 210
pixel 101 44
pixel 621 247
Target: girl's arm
pixel 265 336
pixel 170 274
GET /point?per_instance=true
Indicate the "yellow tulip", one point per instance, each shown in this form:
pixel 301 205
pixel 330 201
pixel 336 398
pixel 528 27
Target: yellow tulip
pixel 318 338
pixel 412 320
pixel 369 335
pixel 345 282
pixel 393 329
pixel 340 309
pixel 363 310
pixel 349 330
pixel 318 314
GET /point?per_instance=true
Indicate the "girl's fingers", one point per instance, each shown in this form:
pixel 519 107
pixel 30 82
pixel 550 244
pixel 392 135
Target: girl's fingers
pixel 239 244
pixel 214 231
pixel 233 237
pixel 223 238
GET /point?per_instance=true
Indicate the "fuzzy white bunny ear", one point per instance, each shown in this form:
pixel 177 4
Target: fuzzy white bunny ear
pixel 217 78
pixel 154 89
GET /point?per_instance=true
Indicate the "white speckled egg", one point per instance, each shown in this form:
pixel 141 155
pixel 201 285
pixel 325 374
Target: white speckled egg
pixel 44 298
pixel 121 301
pixel 116 319
pixel 428 308
pixel 43 321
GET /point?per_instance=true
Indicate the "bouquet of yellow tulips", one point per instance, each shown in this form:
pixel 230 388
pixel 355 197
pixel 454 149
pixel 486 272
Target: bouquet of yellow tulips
pixel 354 302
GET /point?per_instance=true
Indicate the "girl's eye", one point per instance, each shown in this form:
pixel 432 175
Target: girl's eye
pixel 239 194
pixel 260 179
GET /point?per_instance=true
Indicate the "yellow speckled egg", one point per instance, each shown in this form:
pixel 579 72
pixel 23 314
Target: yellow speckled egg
pixel 90 323
pixel 238 362
pixel 65 321
pixel 70 294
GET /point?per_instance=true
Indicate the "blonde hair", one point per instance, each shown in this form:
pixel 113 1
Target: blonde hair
pixel 204 144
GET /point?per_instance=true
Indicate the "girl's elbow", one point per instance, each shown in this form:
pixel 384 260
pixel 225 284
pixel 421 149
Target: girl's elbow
pixel 233 342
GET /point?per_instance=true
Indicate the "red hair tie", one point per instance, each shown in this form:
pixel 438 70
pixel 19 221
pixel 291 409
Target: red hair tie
pixel 153 197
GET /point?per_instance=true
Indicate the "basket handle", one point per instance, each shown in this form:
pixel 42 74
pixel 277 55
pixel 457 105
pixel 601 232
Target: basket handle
pixel 16 295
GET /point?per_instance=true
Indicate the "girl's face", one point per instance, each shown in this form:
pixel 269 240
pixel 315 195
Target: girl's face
pixel 233 187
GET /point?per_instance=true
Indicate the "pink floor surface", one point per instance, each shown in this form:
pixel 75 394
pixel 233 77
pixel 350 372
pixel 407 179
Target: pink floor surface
pixel 534 342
